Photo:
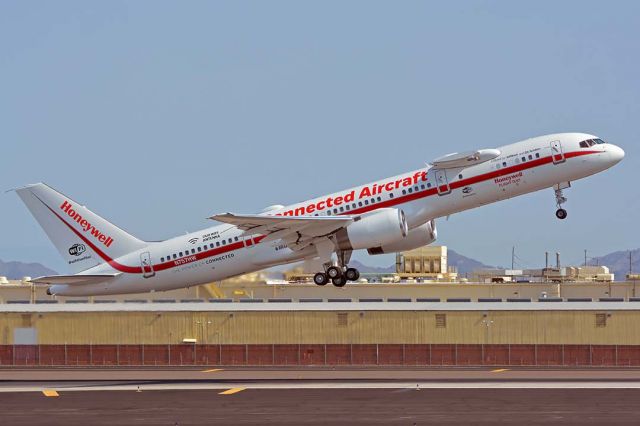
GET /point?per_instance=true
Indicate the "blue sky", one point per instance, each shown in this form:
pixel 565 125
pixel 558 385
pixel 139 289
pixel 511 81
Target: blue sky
pixel 159 114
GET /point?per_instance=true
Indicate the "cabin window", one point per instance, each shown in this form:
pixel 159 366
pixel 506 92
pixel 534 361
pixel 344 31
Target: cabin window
pixel 504 164
pixel 537 155
pixel 236 238
pixel 174 255
pixel 224 242
pixel 366 202
pixel 341 209
pixel 404 192
pixel 353 205
pixel 498 166
pixel 429 185
pixel 379 199
pixel 360 204
pixel 524 159
pixel 199 249
pixel 391 195
pixel 348 207
pixel 180 254
pixel 193 251
pixel 328 212
pixel 530 157
pixel 460 176
pixel 162 259
pixel 422 186
pixel 335 211
pixel 229 240
pixel 410 190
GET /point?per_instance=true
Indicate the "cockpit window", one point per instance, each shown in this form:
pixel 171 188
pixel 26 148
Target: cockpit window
pixel 591 142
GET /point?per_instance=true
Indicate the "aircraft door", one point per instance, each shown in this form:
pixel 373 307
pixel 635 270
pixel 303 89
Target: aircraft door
pixel 557 153
pixel 249 242
pixel 147 266
pixel 441 181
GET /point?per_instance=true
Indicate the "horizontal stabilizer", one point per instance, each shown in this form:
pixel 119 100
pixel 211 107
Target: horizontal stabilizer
pixel 74 279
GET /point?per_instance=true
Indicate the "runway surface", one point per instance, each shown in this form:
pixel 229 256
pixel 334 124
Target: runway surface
pixel 319 396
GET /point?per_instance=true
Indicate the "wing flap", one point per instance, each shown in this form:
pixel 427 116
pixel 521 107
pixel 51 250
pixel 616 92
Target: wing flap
pixel 275 227
pixel 74 279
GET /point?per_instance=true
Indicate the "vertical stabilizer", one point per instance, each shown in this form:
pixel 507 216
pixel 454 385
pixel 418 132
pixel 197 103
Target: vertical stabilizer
pixel 83 238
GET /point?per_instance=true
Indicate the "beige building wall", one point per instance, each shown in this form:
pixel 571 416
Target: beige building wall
pixel 320 327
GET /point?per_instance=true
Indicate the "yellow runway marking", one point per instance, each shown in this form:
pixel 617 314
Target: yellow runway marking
pixel 500 370
pixel 231 391
pixel 50 392
pixel 213 370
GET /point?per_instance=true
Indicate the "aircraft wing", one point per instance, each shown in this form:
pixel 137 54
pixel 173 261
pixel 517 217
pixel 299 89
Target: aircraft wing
pixel 74 279
pixel 275 227
pixel 465 159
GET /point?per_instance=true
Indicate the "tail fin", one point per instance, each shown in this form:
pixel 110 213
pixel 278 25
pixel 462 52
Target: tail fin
pixel 83 238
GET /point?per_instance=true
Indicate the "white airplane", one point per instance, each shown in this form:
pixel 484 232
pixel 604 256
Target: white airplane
pixel 386 216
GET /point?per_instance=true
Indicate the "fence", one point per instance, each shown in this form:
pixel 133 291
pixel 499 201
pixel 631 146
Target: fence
pixel 321 354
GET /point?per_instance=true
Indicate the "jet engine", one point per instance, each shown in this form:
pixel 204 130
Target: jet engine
pixel 381 227
pixel 417 237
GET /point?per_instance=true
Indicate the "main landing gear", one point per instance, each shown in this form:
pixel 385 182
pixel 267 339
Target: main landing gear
pixel 561 199
pixel 338 276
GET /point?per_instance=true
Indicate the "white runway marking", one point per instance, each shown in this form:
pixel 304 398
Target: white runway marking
pixel 339 385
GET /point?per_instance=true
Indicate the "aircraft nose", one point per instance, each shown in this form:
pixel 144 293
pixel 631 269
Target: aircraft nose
pixel 616 154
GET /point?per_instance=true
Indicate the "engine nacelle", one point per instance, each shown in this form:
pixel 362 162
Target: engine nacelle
pixel 381 227
pixel 417 237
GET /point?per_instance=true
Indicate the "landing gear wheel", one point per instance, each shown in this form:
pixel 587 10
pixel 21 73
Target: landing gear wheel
pixel 320 278
pixel 561 214
pixel 339 281
pixel 334 272
pixel 352 274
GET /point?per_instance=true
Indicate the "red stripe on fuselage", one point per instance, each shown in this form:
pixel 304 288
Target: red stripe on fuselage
pixel 388 203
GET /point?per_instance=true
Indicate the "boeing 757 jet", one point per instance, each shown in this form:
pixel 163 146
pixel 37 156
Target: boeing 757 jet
pixel 386 216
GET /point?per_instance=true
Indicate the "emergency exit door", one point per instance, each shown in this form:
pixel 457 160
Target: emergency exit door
pixel 147 266
pixel 441 181
pixel 557 153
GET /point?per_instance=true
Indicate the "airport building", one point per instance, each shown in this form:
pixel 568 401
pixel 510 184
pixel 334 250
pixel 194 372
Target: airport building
pixel 416 316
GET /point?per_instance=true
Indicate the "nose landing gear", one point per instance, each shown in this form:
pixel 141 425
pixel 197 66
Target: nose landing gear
pixel 561 199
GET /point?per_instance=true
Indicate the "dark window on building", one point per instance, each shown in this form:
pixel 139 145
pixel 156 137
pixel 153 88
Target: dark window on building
pixel 343 319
